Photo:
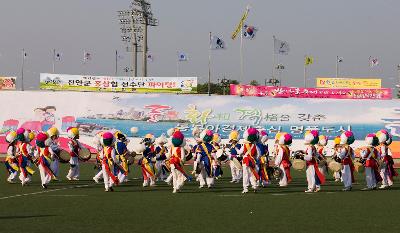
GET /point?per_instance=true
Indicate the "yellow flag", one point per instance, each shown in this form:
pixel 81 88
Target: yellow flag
pixel 239 27
pixel 308 60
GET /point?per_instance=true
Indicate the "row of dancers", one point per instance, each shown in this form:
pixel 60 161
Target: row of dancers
pixel 164 158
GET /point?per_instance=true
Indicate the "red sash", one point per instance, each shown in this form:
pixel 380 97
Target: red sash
pixel 176 160
pixel 314 163
pixel 250 151
pixel 106 159
pixel 44 156
pixel 286 162
pixel 75 149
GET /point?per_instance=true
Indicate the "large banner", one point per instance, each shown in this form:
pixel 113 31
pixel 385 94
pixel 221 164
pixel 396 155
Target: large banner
pixel 299 92
pixel 156 113
pixel 118 84
pixel 8 83
pixel 357 83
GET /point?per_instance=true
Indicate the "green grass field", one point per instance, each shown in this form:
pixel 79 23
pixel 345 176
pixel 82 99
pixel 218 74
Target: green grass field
pixel 83 206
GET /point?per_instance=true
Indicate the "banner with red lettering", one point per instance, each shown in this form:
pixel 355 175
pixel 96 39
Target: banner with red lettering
pixel 299 92
pixel 66 82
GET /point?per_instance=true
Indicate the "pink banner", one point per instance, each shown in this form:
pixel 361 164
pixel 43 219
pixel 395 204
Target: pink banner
pixel 298 92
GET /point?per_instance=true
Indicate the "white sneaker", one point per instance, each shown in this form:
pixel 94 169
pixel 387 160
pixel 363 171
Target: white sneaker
pixel 145 185
pixel 383 187
pixel 245 191
pixel 68 178
pixel 95 180
pixel 174 191
pixel 309 191
pixel 201 186
pixel 232 181
pixel 75 178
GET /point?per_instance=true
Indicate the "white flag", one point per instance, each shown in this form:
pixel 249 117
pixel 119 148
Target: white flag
pixel 339 59
pixel 182 56
pixel 373 61
pixel 281 47
pixel 249 32
pixel 217 43
pixel 86 56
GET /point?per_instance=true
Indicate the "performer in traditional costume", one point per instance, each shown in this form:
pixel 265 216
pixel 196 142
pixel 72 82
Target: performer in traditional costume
pixel 314 177
pixel 369 157
pixel 176 157
pixel 24 155
pixel 11 159
pixel 54 135
pixel 161 151
pixel 43 154
pixel 264 160
pixel 283 140
pixel 121 152
pixel 108 161
pixel 233 155
pixel 387 170
pixel 321 153
pixel 336 151
pixel 98 143
pixel 74 147
pixel 204 158
pixel 147 162
pixel 346 156
pixel 216 163
pixel 251 154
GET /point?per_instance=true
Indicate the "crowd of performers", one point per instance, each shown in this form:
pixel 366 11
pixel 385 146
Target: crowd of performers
pixel 162 159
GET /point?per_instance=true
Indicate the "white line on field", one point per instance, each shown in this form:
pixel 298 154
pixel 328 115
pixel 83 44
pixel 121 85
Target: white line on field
pixel 231 195
pixel 45 191
pixel 66 195
pixel 279 194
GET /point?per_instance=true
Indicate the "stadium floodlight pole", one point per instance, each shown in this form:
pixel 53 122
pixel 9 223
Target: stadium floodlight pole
pixel 134 46
pixel 209 69
pixel 145 45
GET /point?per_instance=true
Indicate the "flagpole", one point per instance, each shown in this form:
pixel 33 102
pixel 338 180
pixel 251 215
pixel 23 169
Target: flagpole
pixel 273 58
pixel 177 68
pixel 54 61
pixel 241 55
pixel 209 67
pixel 305 73
pixel 337 66
pixel 116 62
pixel 22 70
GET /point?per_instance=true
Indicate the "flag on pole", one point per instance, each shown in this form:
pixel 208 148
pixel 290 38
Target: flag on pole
pixel 339 59
pixel 308 60
pixel 241 22
pixel 150 57
pixel 281 47
pixel 24 55
pixel 249 32
pixel 373 61
pixel 182 56
pixel 57 56
pixel 217 43
pixel 86 56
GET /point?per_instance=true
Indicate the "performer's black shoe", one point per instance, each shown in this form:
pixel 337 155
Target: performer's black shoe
pixel 44 186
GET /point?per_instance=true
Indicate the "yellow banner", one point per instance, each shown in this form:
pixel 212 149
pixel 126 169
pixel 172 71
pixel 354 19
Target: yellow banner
pixel 239 27
pixel 361 83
